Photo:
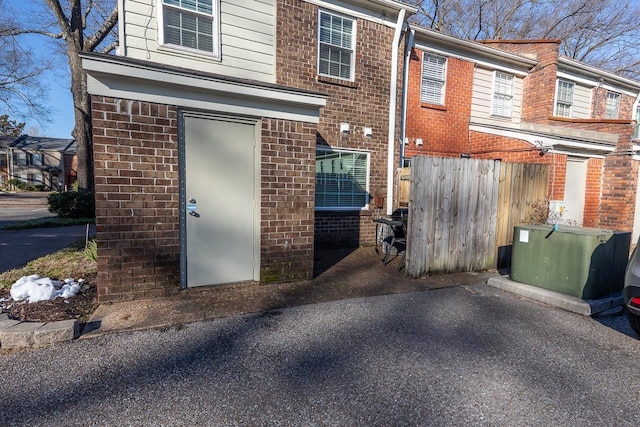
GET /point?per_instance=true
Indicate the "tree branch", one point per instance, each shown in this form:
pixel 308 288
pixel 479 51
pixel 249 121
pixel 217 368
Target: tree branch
pixel 17 32
pixel 109 48
pixel 92 42
pixel 86 13
pixel 62 19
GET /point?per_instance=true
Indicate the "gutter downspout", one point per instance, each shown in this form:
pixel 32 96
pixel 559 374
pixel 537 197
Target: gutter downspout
pixel 405 89
pixel 392 109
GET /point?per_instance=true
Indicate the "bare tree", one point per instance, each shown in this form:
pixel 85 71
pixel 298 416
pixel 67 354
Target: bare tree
pixel 22 93
pixel 602 33
pixel 79 26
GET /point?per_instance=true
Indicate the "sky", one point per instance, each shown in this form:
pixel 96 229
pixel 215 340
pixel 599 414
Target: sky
pixel 59 98
pixel 57 81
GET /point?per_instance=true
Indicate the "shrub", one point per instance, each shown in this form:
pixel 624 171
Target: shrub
pixel 73 204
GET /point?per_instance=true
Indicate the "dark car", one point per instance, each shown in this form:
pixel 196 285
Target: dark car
pixel 632 290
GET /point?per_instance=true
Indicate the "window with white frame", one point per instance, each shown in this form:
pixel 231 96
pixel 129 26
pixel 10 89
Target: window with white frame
pixel 564 98
pixel 336 46
pixel 612 105
pixel 433 79
pixel 190 24
pixel 502 94
pixel 342 179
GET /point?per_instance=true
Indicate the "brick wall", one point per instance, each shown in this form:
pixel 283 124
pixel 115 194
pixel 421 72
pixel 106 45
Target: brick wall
pixel 362 103
pixel 593 192
pixel 540 84
pixel 599 104
pixel 444 129
pixel 136 181
pixel 137 199
pixel 287 200
pixel 619 186
pixel 487 146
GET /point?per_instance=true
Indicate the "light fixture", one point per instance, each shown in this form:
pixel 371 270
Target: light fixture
pixel 419 141
pixel 344 127
pixel 406 141
pixel 368 132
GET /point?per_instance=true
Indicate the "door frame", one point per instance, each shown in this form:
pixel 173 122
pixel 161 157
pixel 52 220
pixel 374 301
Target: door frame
pixel 182 187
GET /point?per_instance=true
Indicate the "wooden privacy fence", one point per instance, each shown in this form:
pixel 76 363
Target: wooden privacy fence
pixel 461 210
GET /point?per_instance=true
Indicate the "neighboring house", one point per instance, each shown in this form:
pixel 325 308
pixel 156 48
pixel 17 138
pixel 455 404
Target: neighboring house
pixel 38 161
pixel 232 138
pixel 521 101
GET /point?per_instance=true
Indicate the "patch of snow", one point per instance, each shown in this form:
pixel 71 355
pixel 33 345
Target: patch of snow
pixel 35 288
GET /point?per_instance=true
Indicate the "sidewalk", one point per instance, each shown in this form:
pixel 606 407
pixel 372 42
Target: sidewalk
pixel 343 274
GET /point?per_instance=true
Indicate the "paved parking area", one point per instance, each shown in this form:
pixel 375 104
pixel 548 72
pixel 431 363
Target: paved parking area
pixel 463 355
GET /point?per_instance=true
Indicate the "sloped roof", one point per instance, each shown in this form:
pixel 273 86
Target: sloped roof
pixel 43 143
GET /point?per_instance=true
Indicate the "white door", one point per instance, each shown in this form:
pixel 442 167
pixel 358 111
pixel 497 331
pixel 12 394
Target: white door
pixel 221 197
pixel 574 191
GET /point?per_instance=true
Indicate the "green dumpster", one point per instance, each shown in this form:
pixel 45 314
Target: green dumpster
pixel 586 263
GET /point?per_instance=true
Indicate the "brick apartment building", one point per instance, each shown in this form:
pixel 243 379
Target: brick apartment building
pixel 520 101
pixel 225 153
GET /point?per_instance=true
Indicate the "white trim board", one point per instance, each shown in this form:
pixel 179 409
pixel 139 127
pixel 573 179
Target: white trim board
pixel 108 76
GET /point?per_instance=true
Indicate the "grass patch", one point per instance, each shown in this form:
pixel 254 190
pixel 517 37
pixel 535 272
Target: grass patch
pixel 71 262
pixel 47 223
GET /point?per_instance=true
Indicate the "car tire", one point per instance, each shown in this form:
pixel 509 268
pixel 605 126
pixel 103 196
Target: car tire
pixel 634 321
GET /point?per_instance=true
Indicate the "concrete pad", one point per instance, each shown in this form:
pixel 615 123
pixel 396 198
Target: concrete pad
pixel 7 323
pixel 556 299
pixel 19 335
pixel 50 333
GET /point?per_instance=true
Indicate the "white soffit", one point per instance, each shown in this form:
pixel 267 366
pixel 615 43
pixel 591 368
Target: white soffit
pixel 117 78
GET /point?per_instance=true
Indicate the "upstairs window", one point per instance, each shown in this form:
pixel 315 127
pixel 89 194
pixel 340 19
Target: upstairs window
pixel 433 79
pixel 342 179
pixel 36 159
pixel 190 24
pixel 564 98
pixel 612 105
pixel 502 94
pixel 336 46
pixel 20 158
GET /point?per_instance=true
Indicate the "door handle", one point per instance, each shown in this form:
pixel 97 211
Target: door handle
pixel 192 208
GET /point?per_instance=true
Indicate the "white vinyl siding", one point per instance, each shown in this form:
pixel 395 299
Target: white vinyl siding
pixel 581 102
pixel 336 46
pixel 482 99
pixel 342 179
pixel 246 44
pixel 612 105
pixel 564 98
pixel 432 85
pixel 502 94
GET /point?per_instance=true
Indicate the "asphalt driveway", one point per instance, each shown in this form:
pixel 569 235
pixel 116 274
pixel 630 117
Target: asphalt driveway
pixel 465 355
pixel 17 247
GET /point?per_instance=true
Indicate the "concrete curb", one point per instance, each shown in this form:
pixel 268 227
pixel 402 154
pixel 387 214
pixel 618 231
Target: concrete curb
pixel 556 299
pixel 17 334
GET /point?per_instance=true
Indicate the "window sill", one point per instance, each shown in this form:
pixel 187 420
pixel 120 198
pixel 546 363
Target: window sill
pixel 337 82
pixel 433 106
pixel 346 212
